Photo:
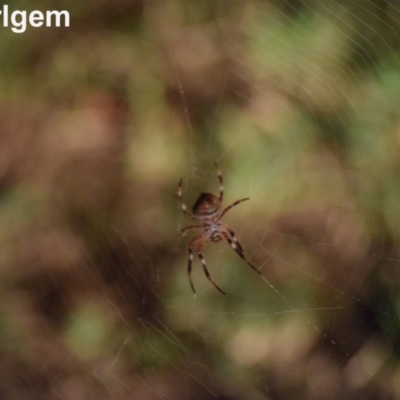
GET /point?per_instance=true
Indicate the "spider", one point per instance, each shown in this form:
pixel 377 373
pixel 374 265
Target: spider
pixel 207 211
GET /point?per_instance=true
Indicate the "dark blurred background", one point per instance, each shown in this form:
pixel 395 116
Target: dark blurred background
pixel 298 101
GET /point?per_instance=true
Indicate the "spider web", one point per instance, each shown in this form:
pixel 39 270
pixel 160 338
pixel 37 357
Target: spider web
pixel 298 137
pixel 313 325
pixel 297 101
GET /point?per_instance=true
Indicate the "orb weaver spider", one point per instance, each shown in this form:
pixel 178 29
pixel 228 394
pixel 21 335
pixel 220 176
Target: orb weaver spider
pixel 207 211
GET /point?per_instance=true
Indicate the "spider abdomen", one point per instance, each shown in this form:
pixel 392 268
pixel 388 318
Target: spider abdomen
pixel 207 206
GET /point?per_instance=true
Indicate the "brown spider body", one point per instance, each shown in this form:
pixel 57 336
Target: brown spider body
pixel 207 211
pixel 206 207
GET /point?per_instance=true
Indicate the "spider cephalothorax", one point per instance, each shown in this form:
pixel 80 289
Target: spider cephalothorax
pixel 207 211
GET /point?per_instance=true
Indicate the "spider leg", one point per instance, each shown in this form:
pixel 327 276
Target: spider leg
pixel 232 205
pixel 190 260
pixel 203 264
pixel 198 242
pixel 234 243
pixel 221 182
pixel 234 238
pixel 183 205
